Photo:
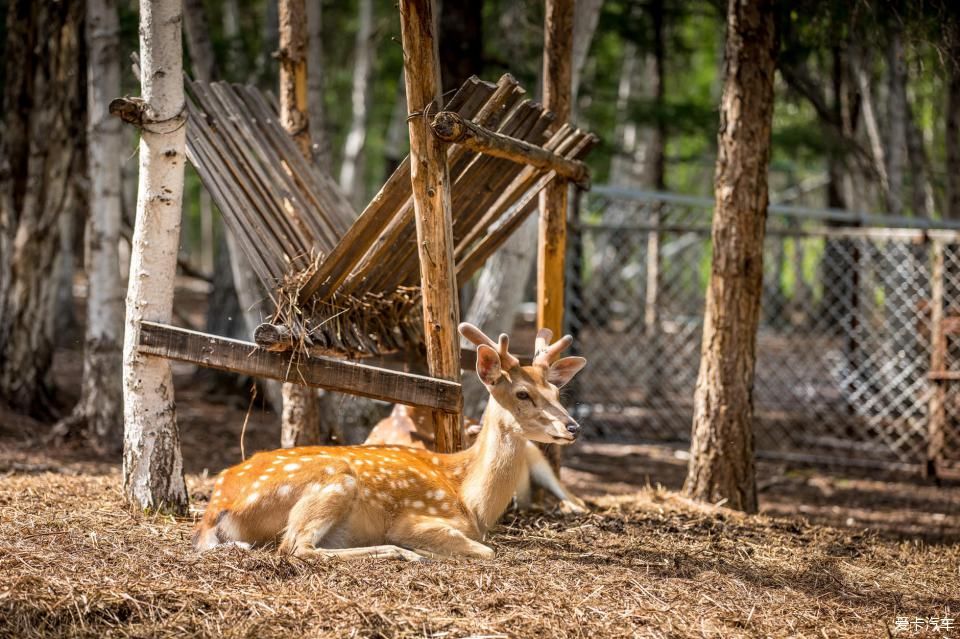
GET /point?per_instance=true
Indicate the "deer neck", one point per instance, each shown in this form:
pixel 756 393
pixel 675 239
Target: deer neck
pixel 495 466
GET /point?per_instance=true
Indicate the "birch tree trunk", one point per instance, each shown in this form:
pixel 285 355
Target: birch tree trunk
pixel 152 462
pixel 101 400
pixel 721 456
pixel 351 169
pixel 300 417
pixel 37 158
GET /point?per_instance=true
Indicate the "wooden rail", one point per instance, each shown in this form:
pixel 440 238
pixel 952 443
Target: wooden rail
pixel 321 372
pixel 452 128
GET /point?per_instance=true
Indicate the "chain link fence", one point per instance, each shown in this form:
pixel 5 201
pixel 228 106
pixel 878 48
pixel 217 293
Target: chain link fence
pixel 845 350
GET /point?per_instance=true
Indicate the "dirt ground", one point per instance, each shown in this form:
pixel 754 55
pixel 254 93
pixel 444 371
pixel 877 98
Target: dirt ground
pixel 830 555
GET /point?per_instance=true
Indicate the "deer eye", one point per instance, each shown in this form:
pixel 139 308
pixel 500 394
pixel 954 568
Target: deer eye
pixel 522 395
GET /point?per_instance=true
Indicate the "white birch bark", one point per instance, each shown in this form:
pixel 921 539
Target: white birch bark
pixel 351 169
pixel 101 401
pixel 152 462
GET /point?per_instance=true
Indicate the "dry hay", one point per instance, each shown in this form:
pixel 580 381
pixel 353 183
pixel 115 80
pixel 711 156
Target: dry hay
pixel 75 563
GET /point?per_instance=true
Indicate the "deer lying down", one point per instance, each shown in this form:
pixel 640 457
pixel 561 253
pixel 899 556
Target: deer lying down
pixel 413 426
pixel 392 501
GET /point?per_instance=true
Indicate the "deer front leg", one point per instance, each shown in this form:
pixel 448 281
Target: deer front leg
pixel 543 476
pixel 436 538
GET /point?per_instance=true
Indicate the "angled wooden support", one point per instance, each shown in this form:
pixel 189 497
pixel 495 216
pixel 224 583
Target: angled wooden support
pixel 430 181
pixel 452 128
pixel 247 358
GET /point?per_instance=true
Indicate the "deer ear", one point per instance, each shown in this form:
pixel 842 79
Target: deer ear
pixel 488 365
pixel 562 371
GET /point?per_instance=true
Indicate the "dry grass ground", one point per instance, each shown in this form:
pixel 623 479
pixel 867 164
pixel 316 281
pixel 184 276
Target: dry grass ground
pixel 861 552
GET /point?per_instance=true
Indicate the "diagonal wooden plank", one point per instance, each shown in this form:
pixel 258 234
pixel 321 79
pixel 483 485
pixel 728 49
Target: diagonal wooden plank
pixel 321 372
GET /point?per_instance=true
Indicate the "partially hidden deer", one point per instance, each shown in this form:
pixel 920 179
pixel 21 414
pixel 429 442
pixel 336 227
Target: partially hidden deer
pixel 394 501
pixel 414 426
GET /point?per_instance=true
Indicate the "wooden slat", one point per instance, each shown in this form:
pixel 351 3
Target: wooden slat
pixel 321 372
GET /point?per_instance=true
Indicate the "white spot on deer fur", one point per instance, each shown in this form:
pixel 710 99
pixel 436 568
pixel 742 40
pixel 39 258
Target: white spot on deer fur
pixel 418 504
pixel 277 461
pixel 253 498
pixel 269 470
pixel 306 459
pixel 432 510
pixel 330 470
pixel 220 481
pixel 316 487
pixel 247 466
pixel 255 485
pixel 284 490
pixel 334 489
pixel 435 460
pixel 349 482
pixel 263 478
pixel 291 467
pixel 216 494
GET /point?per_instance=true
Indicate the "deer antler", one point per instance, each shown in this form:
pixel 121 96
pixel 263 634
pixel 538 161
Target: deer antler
pixel 477 337
pixel 545 353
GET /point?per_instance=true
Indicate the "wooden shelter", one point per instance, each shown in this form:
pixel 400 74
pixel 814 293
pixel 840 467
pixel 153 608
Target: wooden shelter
pixel 346 286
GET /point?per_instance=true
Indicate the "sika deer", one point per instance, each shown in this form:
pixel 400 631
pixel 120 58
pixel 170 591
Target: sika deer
pixel 367 501
pixel 414 427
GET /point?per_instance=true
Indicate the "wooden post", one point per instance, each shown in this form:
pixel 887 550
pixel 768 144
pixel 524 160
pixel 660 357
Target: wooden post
pixel 557 81
pixel 430 181
pixel 938 355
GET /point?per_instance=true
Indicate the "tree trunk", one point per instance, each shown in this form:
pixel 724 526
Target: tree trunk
pixel 351 169
pixel 461 42
pixel 952 142
pixel 721 458
pixel 293 72
pixel 42 113
pixel 896 142
pixel 152 462
pixel 316 81
pixel 101 401
pixel 299 424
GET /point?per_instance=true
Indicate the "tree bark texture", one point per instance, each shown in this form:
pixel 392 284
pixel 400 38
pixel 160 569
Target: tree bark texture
pixel 430 183
pixel 42 114
pixel 101 402
pixel 897 114
pixel 722 458
pixel 152 462
pixel 300 415
pixel 293 72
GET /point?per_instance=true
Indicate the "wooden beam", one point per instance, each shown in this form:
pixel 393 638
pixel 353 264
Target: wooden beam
pixel 454 129
pixel 321 372
pixel 430 180
pixel 557 86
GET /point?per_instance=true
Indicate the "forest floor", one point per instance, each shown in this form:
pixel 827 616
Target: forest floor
pixel 830 555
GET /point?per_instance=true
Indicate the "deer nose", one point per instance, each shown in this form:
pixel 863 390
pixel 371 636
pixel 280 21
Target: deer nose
pixel 573 428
